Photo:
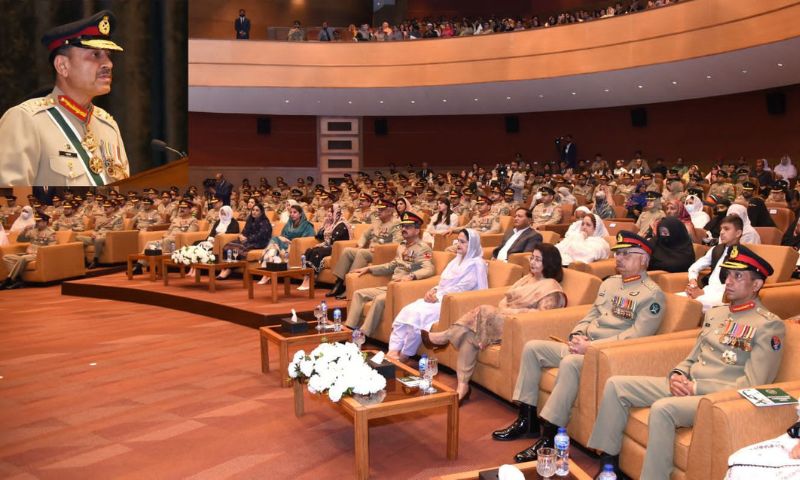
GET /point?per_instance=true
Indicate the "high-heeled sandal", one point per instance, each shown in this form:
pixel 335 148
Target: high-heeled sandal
pixel 426 340
pixel 466 396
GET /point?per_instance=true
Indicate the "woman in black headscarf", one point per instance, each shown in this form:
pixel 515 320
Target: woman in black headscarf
pixel 758 213
pixel 672 250
pixel 720 210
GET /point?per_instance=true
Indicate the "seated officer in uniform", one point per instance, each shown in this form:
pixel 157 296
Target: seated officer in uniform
pixel 147 216
pixel 69 220
pixel 384 229
pixel 39 235
pixel 63 139
pixel 739 346
pixel 413 262
pixel 109 221
pixel 628 305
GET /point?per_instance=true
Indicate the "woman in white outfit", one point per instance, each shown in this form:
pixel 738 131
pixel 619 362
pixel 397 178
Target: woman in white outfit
pixel 587 243
pixel 694 206
pixel 24 220
pixel 777 459
pixel 749 234
pixel 464 273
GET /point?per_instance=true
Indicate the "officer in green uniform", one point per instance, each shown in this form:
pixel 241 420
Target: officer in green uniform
pixel 69 220
pixel 547 211
pixel 63 139
pixel 484 221
pixel 723 187
pixel 499 206
pixel 628 305
pixel 109 221
pixel 739 346
pixel 184 222
pixel 212 215
pixel 297 196
pixel 412 262
pixel 147 217
pixel 10 209
pixel 56 209
pixel 364 212
pixel 39 235
pixel 383 230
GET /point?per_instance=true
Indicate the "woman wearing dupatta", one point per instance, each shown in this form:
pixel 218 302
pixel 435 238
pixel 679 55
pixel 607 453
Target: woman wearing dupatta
pixel 297 226
pixel 749 234
pixel 464 273
pixel 483 326
pixel 586 243
pixel 334 229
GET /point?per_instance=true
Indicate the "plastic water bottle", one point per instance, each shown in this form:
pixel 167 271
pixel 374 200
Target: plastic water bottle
pixel 302 261
pixel 561 442
pixel 423 364
pixel 607 473
pixel 337 320
pixel 229 255
pixel 323 306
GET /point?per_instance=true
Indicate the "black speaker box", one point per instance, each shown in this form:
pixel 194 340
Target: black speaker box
pixel 381 126
pixel 639 117
pixel 263 125
pixel 776 103
pixel 512 124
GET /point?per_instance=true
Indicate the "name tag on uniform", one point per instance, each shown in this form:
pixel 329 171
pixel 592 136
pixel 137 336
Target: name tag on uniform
pixel 62 153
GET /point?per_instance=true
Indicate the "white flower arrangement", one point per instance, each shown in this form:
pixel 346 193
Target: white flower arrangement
pixel 193 254
pixel 337 369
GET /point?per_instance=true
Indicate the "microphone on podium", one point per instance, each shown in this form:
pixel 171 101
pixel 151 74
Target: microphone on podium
pixel 161 145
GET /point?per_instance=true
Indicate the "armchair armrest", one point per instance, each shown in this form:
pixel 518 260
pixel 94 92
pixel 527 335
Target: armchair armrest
pixel 600 268
pixel 7 250
pixel 119 244
pixel 56 262
pixel 221 240
pixel 491 239
pixel 299 247
pixel 353 282
pixel 456 305
pixel 183 239
pixel 403 293
pixel 338 248
pixel 673 282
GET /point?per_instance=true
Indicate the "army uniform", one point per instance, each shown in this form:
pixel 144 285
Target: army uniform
pixel 501 209
pixel 146 219
pixel 546 214
pixel 102 226
pixel 624 308
pixel 647 218
pixel 413 260
pixel 167 211
pixel 718 361
pixel 72 222
pixel 362 216
pixel 484 224
pixel 7 212
pixel 722 190
pixel 626 190
pixel 585 190
pixel 15 262
pixel 212 216
pixel 181 224
pixel 361 256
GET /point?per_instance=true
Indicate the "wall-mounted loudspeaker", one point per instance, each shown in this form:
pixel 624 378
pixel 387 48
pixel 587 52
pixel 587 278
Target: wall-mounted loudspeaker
pixel 381 126
pixel 512 124
pixel 263 125
pixel 639 117
pixel 776 103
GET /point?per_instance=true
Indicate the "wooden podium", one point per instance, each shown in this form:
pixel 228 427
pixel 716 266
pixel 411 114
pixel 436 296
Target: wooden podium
pixel 163 177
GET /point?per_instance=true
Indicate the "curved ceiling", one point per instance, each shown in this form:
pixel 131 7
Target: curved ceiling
pixel 763 67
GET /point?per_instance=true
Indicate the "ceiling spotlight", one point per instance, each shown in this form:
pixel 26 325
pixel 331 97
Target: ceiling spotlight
pixel 318 101
pixel 350 102
pixel 744 71
pixel 780 64
pixel 508 98
pixel 474 99
pixel 541 95
pixel 639 86
pixel 606 90
pixel 674 82
pixel 708 77
pixel 380 101
pixel 287 100
pixel 574 93
pixel 413 101
pixel 444 100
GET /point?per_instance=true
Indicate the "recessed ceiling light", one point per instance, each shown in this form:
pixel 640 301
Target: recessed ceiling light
pixel 708 77
pixel 744 71
pixel 674 82
pixel 287 100
pixel 780 64
pixel 381 101
pixel 606 90
pixel 444 100
pixel 639 86
pixel 475 99
pixel 508 98
pixel 318 101
pixel 413 101
pixel 574 93
pixel 350 102
pixel 541 95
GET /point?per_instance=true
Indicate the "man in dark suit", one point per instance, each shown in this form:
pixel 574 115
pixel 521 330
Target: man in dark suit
pixel 568 151
pixel 223 189
pixel 242 27
pixel 521 238
pixel 425 172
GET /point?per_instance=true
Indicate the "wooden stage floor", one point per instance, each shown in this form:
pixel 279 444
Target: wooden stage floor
pixel 229 302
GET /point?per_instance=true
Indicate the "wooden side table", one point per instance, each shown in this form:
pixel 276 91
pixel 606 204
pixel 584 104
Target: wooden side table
pixel 154 264
pixel 211 268
pixel 287 276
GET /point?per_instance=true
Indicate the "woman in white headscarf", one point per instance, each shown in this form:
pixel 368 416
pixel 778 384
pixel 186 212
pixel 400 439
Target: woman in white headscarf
pixel 694 206
pixel 224 224
pixel 3 236
pixel 749 234
pixel 565 197
pixel 587 243
pixel 464 273
pixel 25 219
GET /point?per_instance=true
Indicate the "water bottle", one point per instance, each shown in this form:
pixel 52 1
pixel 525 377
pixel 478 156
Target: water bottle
pixel 607 473
pixel 286 257
pixel 337 320
pixel 561 442
pixel 302 261
pixel 423 364
pixel 229 255
pixel 323 306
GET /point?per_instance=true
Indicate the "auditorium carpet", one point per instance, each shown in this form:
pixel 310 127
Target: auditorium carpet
pixel 93 388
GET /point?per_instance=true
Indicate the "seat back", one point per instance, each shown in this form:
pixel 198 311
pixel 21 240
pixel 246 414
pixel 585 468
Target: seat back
pixel 505 223
pixel 790 363
pixel 769 235
pixel 783 217
pixel 203 226
pixel 359 229
pixel 680 313
pixel 127 223
pixel 619 211
pixel 781 301
pixel 700 249
pixel 502 274
pixel 580 288
pixel 783 260
pixel 567 210
pixel 550 236
pixel 277 228
pixel 440 261
pixel 65 236
pixel 615 226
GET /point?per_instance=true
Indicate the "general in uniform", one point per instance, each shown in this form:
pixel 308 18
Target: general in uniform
pixel 548 212
pixel 147 217
pixel 69 220
pixel 739 346
pixel 629 306
pixel 62 139
pixel 109 221
pixel 484 221
pixel 39 235
pixel 412 262
pixel 383 230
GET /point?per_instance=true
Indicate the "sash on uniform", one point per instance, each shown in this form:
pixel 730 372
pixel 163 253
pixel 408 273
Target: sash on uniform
pixel 68 132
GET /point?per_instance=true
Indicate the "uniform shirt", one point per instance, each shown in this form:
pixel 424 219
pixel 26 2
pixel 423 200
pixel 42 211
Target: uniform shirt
pixel 750 354
pixel 146 219
pixel 546 214
pixel 6 211
pixel 725 190
pixel 484 224
pixel 415 258
pixel 104 224
pixel 181 224
pixel 37 238
pixel 212 216
pixel 34 151
pixel 380 233
pixel 362 216
pixel 72 222
pixel 501 209
pixel 623 309
pixel 646 220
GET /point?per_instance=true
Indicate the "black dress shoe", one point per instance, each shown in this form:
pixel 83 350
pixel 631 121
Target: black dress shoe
pixel 15 284
pixel 92 264
pixel 342 296
pixel 426 340
pixel 338 289
pixel 526 424
pixel 137 269
pixel 529 454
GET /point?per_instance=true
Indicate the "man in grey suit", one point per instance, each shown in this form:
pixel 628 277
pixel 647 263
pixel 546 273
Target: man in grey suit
pixel 521 238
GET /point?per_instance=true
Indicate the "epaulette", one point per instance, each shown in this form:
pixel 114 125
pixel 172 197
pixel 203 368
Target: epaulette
pixel 767 314
pixel 649 283
pixel 98 112
pixel 36 105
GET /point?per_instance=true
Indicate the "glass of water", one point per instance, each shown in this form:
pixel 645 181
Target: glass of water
pixel 546 462
pixel 359 338
pixel 430 371
pixel 318 316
